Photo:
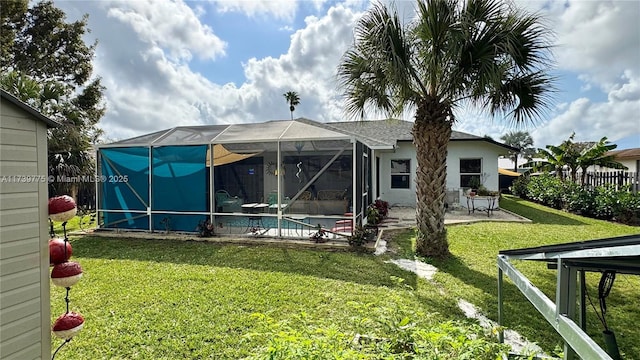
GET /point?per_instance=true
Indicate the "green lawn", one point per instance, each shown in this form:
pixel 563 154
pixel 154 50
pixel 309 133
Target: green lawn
pixel 163 299
pixel 472 272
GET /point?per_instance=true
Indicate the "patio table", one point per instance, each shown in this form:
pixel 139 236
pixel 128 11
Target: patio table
pixel 491 204
pixel 254 221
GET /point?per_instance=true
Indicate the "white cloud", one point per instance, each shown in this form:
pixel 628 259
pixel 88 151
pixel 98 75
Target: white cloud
pixel 600 39
pixel 171 25
pixel 279 9
pixel 308 67
pixel 145 49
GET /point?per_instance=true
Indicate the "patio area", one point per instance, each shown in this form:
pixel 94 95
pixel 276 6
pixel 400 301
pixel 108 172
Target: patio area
pixel 404 216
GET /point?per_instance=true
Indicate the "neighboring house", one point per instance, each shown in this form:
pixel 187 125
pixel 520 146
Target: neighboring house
pixel 281 172
pixel 468 156
pixel 24 252
pixel 627 157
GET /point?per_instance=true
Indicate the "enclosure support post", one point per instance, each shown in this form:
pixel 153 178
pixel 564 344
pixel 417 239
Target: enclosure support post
pixel 583 301
pixel 149 207
pixel 500 330
pixel 566 299
pixel 279 190
pixel 567 328
pixel 211 193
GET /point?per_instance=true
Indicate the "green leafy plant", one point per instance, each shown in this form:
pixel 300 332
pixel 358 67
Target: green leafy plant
pixel 361 235
pixel 382 207
pixel 205 228
pixel 474 183
pixel 519 186
pixel 373 215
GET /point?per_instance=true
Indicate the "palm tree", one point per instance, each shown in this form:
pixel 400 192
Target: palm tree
pixel 481 52
pixel 522 141
pixel 293 100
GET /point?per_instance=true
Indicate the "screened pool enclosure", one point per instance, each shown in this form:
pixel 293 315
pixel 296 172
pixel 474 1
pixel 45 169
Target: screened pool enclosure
pixel 275 179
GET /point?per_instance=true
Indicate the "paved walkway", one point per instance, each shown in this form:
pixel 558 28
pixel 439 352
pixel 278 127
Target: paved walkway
pixel 405 216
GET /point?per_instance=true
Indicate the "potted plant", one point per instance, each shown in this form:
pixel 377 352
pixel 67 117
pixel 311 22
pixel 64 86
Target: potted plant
pixel 474 184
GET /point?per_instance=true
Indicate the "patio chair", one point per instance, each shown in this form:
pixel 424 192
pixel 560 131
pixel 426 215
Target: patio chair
pixel 272 199
pixel 227 203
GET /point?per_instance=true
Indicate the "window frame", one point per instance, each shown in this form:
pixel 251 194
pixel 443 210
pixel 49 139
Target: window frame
pixel 394 174
pixel 464 184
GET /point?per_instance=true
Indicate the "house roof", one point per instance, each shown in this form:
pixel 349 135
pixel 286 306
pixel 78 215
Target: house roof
pixel 376 134
pixel 392 130
pixel 26 107
pixel 626 154
pixel 269 131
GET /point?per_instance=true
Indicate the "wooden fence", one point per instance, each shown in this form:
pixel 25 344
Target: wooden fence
pixel 618 178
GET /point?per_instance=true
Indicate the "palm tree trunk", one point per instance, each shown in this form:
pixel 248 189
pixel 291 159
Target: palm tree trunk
pixel 431 134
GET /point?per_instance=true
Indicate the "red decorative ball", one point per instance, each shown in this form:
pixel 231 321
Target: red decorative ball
pixel 68 325
pixel 66 274
pixel 57 253
pixel 62 208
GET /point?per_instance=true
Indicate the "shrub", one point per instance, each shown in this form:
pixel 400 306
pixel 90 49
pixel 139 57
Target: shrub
pixel 547 190
pixel 519 186
pixel 358 237
pixel 602 202
pixel 626 208
pixel 577 199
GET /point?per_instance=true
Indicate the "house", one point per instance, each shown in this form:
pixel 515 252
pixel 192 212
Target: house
pixel 267 178
pixel 627 157
pixel 24 253
pixel 469 157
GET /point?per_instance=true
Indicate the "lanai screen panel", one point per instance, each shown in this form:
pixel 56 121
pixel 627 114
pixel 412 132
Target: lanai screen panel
pixel 179 185
pixel 124 198
pixel 317 176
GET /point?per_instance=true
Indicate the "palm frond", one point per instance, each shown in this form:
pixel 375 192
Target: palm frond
pixel 377 69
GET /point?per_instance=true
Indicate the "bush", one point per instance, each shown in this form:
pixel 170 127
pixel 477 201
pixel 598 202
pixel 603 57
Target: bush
pixel 578 200
pixel 547 190
pixel 519 186
pixel 602 202
pixel 626 208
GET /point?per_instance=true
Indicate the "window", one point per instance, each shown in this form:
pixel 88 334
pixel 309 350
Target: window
pixel 401 174
pixel 470 172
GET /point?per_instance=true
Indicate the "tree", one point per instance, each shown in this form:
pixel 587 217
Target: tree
pixel 293 100
pixel 46 64
pixel 596 155
pixel 574 156
pixel 481 52
pixel 522 141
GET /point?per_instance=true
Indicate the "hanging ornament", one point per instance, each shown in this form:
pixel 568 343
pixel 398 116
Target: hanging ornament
pixel 66 274
pixel 68 325
pixel 60 251
pixel 299 166
pixel 62 208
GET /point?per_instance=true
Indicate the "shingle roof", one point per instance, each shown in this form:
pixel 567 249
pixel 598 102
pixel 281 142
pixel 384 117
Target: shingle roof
pixel 392 130
pixel 625 154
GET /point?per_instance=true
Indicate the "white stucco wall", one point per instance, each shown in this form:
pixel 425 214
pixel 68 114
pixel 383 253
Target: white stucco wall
pixel 398 197
pixel 632 164
pixel 488 152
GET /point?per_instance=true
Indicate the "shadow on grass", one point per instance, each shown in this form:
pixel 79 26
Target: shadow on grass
pixel 539 216
pixel 362 268
pixel 518 313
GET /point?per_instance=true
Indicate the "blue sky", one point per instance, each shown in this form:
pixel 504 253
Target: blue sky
pixel 167 63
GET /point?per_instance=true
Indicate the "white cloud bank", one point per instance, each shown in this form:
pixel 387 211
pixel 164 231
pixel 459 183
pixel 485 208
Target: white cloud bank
pixel 145 49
